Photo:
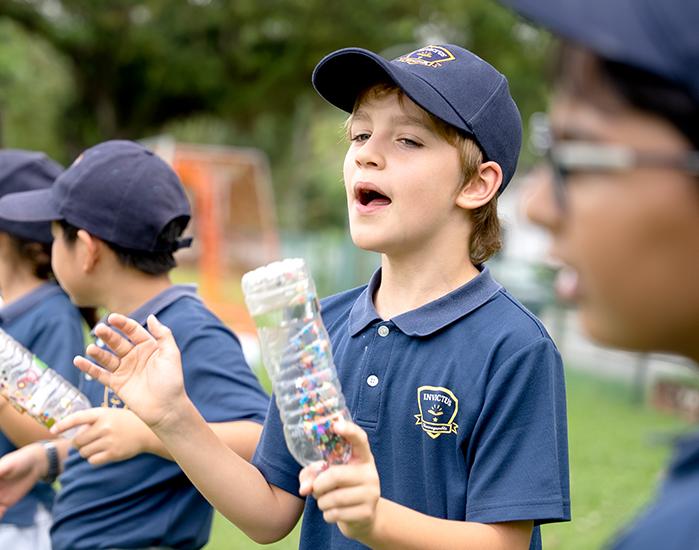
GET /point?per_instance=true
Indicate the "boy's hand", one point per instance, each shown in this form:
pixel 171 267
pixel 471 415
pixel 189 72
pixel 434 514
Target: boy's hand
pixel 109 434
pixel 19 472
pixel 146 376
pixel 347 494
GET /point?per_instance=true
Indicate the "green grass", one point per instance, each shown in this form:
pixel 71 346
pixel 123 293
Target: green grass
pixel 617 454
pixel 226 536
pixel 618 451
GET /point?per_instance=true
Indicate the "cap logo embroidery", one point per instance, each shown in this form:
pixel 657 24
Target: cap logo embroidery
pixel 430 56
pixel 438 408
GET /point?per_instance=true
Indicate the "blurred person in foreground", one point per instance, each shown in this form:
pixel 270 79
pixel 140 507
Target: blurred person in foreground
pixel 621 199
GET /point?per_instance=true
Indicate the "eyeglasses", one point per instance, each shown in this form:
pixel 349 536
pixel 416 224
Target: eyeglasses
pixel 566 157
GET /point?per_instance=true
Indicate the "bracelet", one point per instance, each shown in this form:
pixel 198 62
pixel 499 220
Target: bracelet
pixel 52 456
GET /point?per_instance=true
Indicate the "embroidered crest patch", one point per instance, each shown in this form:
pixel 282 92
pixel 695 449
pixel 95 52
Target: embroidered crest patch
pixel 430 56
pixel 438 408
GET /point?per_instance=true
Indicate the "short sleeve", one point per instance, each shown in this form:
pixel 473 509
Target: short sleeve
pixel 518 451
pixel 217 377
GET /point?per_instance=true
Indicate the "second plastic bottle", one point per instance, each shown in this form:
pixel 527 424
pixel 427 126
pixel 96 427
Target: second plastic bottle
pixel 31 386
pixel 296 352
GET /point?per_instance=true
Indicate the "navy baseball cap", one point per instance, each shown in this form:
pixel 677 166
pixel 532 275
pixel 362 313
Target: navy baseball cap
pixel 447 81
pixel 118 191
pixel 656 36
pixel 27 171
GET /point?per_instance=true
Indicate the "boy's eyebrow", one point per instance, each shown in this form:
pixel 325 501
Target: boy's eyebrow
pixel 401 120
pixel 407 120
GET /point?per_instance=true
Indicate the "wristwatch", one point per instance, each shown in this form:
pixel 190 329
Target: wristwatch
pixel 52 456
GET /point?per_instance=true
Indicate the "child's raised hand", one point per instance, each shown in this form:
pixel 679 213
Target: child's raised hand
pixel 145 374
pixel 347 494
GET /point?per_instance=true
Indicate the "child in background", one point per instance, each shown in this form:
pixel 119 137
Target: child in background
pixel 38 314
pixel 118 214
pixel 622 199
pixel 456 390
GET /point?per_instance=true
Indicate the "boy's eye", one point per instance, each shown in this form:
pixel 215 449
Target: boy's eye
pixel 360 137
pixel 410 142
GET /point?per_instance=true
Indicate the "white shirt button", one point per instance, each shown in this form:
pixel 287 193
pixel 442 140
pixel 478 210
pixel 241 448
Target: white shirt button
pixel 372 380
pixel 383 330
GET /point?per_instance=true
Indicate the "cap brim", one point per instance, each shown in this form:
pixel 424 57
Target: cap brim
pixel 340 77
pixel 29 206
pixel 614 30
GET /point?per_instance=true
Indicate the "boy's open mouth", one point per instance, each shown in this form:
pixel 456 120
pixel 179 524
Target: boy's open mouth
pixel 369 196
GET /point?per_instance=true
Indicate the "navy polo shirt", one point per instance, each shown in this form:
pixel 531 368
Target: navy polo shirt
pixel 50 326
pixel 147 500
pixel 672 521
pixel 463 401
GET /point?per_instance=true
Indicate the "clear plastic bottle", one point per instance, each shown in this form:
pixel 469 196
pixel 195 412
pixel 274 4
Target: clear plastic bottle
pixel 31 386
pixel 296 352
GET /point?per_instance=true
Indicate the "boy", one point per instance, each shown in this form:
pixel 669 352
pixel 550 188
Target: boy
pixel 38 314
pixel 622 200
pixel 118 213
pixel 456 390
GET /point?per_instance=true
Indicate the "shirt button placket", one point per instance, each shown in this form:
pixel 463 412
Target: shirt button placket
pixel 373 380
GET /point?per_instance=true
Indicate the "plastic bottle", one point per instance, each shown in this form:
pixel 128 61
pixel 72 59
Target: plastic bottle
pixel 297 354
pixel 31 386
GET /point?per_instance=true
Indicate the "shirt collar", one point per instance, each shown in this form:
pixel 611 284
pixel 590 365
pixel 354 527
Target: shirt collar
pixel 158 303
pixel 11 312
pixel 431 317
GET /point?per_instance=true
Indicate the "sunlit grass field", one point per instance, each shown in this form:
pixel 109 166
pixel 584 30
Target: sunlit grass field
pixel 617 453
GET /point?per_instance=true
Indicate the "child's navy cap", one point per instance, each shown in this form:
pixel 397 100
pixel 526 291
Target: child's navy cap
pixel 447 81
pixel 657 36
pixel 27 171
pixel 118 191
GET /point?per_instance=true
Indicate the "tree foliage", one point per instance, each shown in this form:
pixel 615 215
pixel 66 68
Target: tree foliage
pixel 141 65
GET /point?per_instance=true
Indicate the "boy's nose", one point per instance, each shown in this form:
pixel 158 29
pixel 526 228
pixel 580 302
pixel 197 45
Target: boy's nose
pixel 538 201
pixel 371 154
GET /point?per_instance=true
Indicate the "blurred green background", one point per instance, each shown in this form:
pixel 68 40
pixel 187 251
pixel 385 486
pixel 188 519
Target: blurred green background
pixel 74 73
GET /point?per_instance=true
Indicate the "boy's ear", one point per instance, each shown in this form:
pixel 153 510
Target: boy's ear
pixel 91 250
pixel 484 185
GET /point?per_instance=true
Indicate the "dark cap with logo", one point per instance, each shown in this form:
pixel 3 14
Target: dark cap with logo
pixel 118 191
pixel 447 81
pixel 658 36
pixel 27 171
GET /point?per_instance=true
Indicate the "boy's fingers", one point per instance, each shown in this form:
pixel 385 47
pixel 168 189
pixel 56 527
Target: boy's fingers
pixel 72 420
pixel 357 437
pixel 308 475
pixel 133 331
pixel 164 337
pixel 98 459
pixel 353 506
pixel 113 340
pixel 108 360
pixel 156 328
pixel 166 341
pixel 88 367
